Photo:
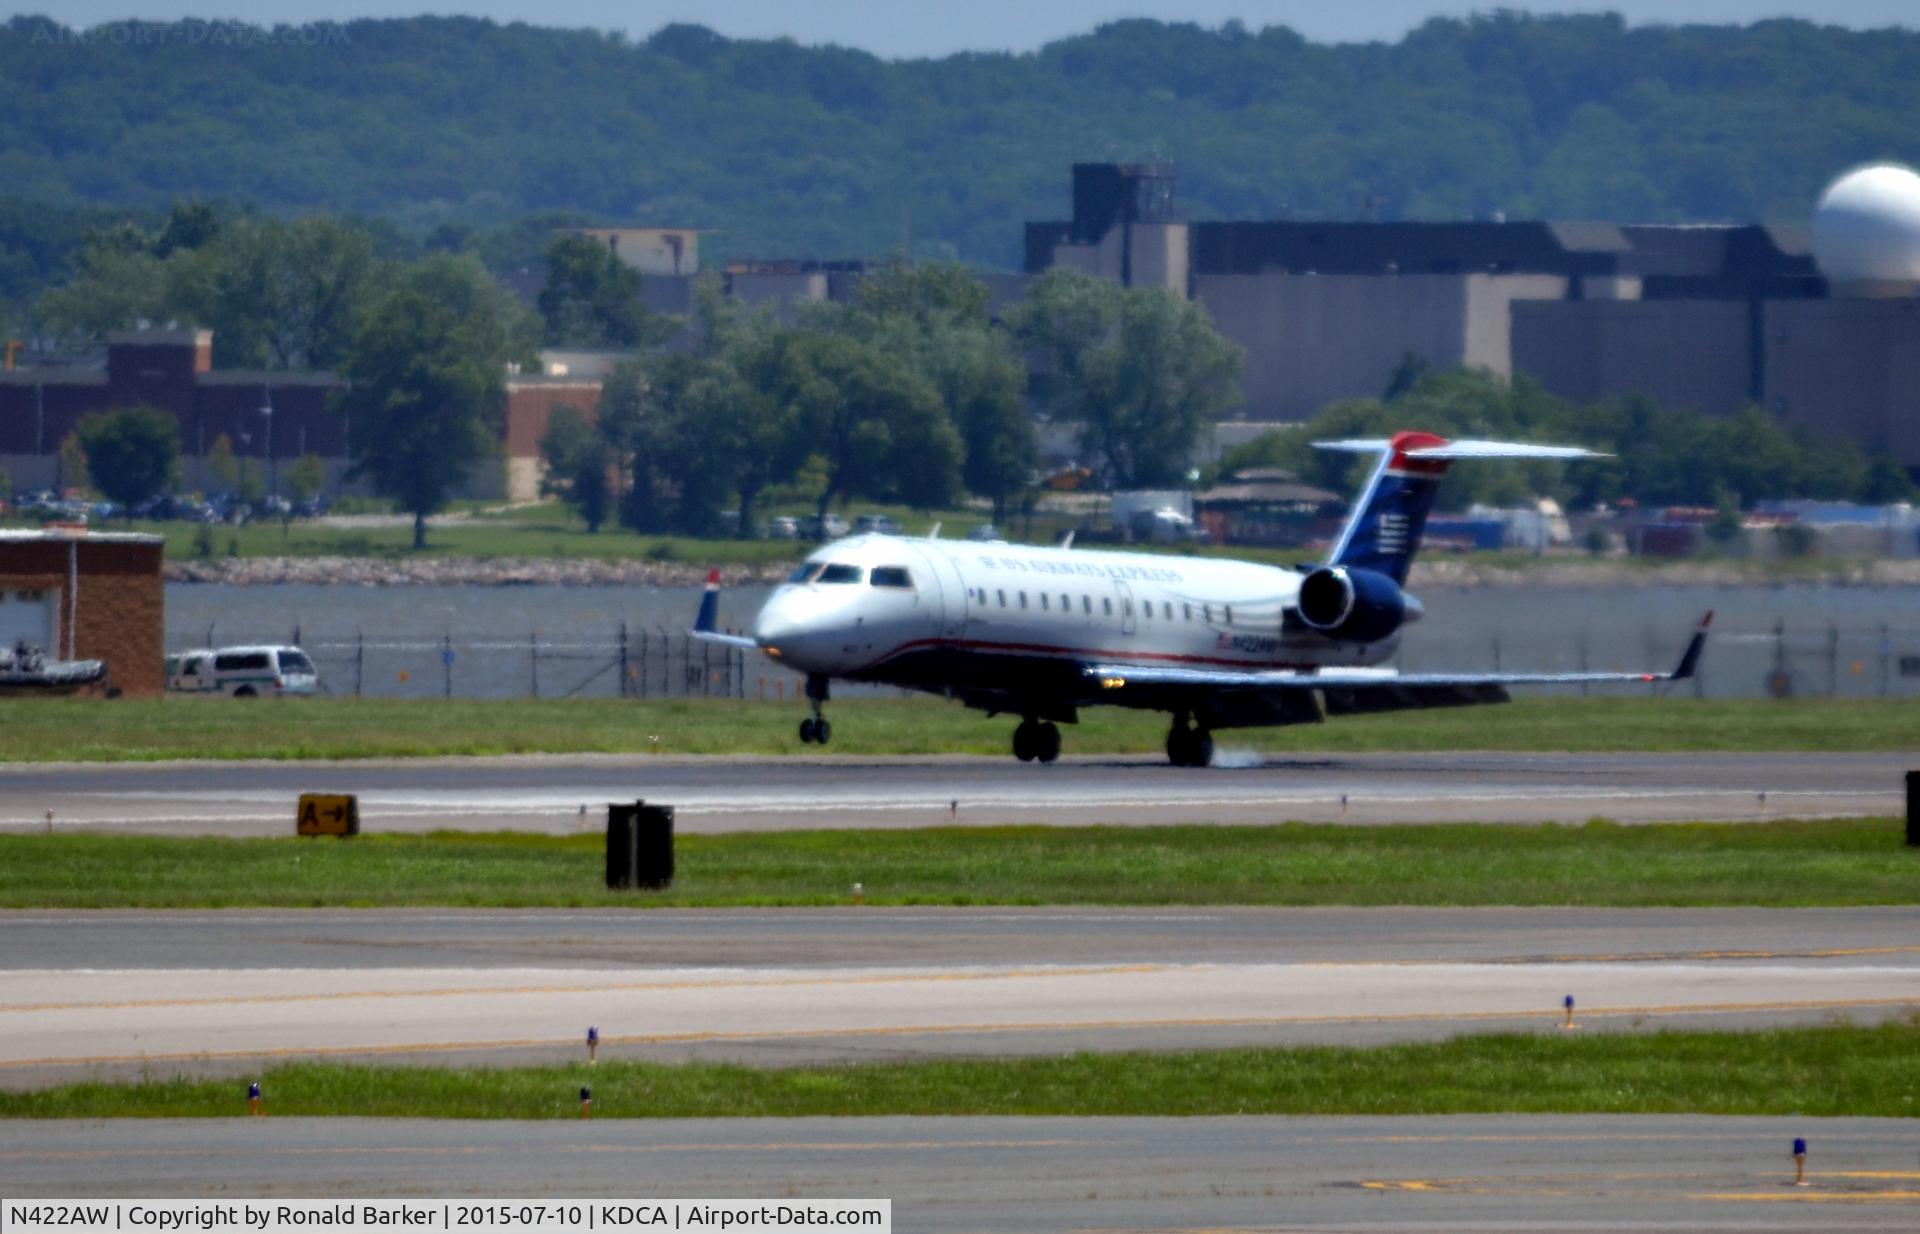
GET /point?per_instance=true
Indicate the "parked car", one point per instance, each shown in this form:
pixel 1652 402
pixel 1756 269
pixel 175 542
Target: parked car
pixel 984 533
pixel 783 527
pixel 875 525
pixel 242 672
pixel 832 527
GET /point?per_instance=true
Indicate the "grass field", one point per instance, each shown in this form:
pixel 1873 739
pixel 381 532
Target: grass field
pixel 1786 863
pixel 128 730
pixel 1814 1072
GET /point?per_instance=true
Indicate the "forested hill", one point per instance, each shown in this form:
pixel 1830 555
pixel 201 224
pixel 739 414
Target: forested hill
pixel 826 152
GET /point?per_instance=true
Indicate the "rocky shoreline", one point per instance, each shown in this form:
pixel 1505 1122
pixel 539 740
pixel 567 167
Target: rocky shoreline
pixel 586 572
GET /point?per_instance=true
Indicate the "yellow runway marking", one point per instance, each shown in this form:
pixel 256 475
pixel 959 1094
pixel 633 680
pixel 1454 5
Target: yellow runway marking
pixel 1808 1196
pixel 910 1030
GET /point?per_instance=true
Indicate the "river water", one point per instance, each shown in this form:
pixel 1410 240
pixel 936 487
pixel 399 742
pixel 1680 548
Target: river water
pixel 508 642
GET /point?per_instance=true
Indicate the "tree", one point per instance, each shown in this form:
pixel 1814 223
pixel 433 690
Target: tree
pixel 305 478
pixel 1141 372
pixel 131 454
pixel 277 294
pixel 429 387
pixel 592 298
pixel 878 425
pixel 576 460
pixel 73 464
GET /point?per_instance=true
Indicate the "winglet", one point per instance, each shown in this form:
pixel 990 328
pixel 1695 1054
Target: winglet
pixel 1690 659
pixel 706 622
pixel 934 534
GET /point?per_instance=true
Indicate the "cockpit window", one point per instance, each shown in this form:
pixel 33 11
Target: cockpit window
pixel 892 576
pixel 806 572
pixel 841 573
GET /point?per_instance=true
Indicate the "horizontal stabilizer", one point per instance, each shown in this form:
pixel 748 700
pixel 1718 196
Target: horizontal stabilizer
pixel 706 625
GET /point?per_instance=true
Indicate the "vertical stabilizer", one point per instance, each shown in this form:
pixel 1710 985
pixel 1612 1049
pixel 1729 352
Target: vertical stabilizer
pixel 1383 532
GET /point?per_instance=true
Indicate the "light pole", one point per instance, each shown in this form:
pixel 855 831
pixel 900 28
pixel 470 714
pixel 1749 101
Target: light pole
pixel 273 466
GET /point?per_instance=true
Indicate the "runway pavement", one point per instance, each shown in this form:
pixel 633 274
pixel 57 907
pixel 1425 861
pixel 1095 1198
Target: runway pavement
pixel 119 993
pixel 716 794
pixel 1572 1173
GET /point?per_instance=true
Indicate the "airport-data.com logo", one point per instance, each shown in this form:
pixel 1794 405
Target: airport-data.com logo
pixel 192 32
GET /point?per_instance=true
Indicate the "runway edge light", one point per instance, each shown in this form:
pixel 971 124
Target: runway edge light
pixel 586 1102
pixel 1799 1162
pixel 1568 1004
pixel 253 1099
pixel 593 1045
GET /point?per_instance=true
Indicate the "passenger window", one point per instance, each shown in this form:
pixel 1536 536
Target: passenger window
pixel 1106 605
pixel 1003 598
pixel 1167 609
pixel 806 572
pixel 892 576
pixel 841 573
pixel 1066 602
pixel 1043 601
pixel 1206 613
pixel 1186 611
pixel 1146 609
pixel 1086 605
pixel 1126 608
pixel 1229 614
pixel 1023 599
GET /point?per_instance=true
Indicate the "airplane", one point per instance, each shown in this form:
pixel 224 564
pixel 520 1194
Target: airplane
pixel 1041 632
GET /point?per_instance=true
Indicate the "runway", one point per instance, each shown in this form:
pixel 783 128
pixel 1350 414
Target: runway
pixel 122 993
pixel 719 794
pixel 1575 1173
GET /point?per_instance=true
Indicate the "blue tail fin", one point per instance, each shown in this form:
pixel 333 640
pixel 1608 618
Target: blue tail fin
pixel 708 620
pixel 1383 532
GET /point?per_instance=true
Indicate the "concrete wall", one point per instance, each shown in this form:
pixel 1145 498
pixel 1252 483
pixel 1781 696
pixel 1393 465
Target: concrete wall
pixel 1680 353
pixel 1847 366
pixel 1315 339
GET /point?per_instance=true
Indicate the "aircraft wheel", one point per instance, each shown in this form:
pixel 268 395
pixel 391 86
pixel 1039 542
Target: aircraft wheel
pixel 822 731
pixel 1047 747
pixel 807 733
pixel 1024 742
pixel 1180 747
pixel 1200 746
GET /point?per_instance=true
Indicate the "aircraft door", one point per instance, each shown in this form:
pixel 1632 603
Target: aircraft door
pixel 949 601
pixel 1124 598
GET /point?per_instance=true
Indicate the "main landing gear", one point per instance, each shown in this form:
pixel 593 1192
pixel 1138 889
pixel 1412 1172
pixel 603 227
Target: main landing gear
pixel 1036 739
pixel 1188 746
pixel 815 727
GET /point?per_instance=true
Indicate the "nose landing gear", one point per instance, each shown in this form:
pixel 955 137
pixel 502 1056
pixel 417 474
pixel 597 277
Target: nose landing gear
pixel 815 727
pixel 1036 739
pixel 1188 746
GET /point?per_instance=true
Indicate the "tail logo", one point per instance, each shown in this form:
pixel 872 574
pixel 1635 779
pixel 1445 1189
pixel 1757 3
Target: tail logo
pixel 1391 540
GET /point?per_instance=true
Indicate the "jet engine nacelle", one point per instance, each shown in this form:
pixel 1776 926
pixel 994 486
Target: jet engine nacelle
pixel 1356 606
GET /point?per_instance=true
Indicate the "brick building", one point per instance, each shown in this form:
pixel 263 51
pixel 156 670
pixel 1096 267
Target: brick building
pixel 270 417
pixel 88 595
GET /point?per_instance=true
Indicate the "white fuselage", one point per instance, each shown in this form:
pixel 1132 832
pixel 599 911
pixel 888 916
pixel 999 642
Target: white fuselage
pixel 934 613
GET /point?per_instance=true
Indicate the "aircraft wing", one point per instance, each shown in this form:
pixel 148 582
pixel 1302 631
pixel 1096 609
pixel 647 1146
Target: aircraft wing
pixel 1115 676
pixel 704 625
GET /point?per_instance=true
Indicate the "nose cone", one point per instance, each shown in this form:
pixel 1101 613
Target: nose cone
pixel 775 625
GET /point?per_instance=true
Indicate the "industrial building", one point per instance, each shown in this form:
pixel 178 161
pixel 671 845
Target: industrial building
pixel 88 595
pixel 1820 327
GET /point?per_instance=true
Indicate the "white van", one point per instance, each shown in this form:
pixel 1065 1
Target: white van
pixel 242 672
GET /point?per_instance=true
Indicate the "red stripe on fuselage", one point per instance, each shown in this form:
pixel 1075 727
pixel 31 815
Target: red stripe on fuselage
pixel 1078 653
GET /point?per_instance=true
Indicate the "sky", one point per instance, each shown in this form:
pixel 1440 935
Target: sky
pixel 912 28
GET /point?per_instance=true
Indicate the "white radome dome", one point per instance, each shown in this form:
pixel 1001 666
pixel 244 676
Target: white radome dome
pixel 1866 228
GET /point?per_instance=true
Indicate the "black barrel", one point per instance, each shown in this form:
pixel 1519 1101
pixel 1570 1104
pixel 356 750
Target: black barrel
pixel 1913 808
pixel 653 847
pixel 639 846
